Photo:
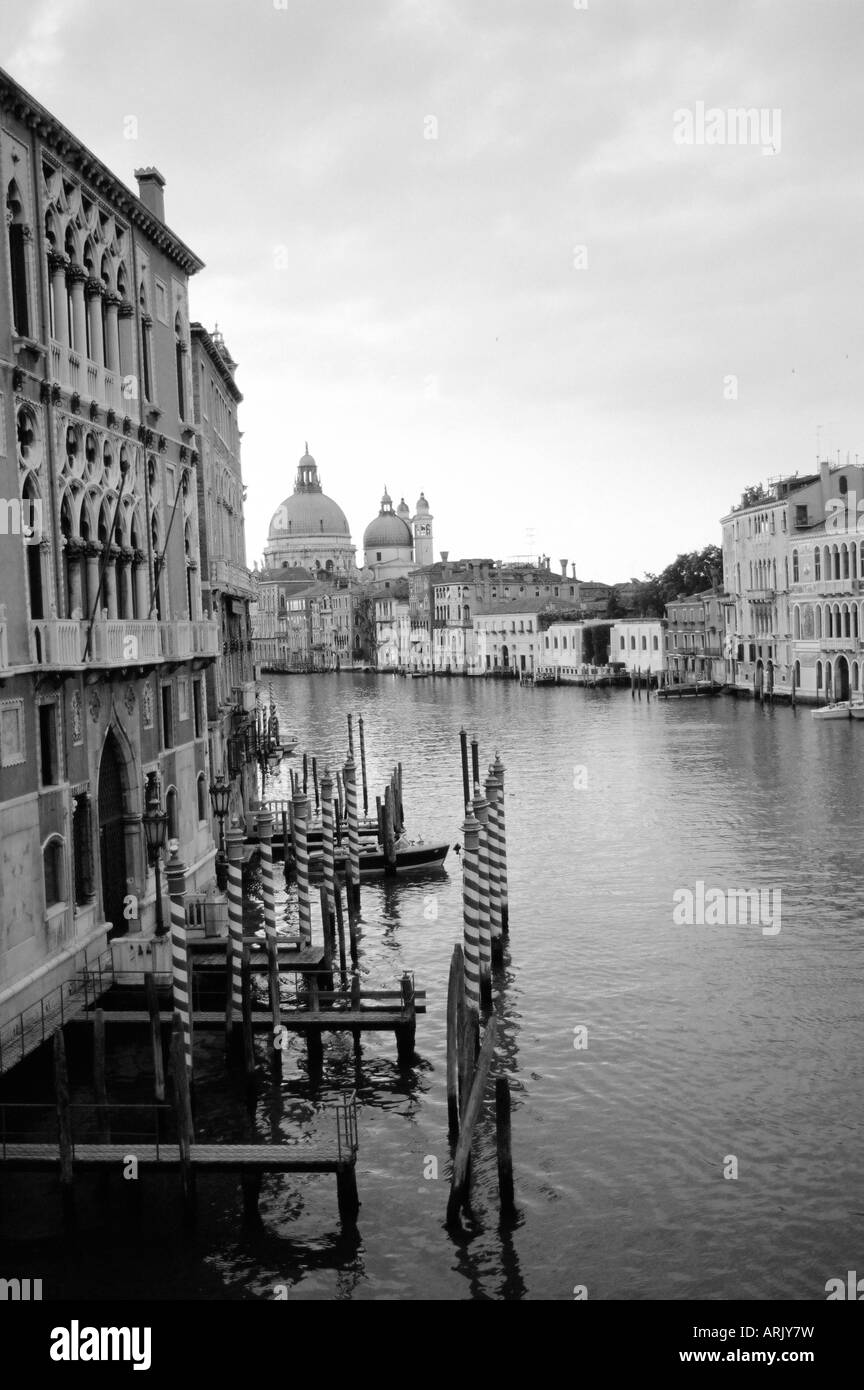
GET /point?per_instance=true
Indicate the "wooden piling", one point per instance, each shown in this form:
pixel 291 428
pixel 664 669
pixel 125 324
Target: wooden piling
pixel 493 836
pixel 466 784
pixel 459 1181
pixel 152 998
pixel 246 1006
pixel 346 1193
pixel 64 1126
pixel 352 875
pixel 481 814
pixel 352 932
pixel 183 1110
pixel 100 1081
pixel 455 988
pixel 351 737
pixel 498 772
pixel 264 825
pixel 389 835
pixel 399 798
pixel 328 905
pixel 406 1032
pixel 363 764
pixel 475 763
pixel 234 854
pixel 250 1183
pixel 504 1146
pixel 305 773
pixel 301 865
pixel 315 784
pixel 340 928
pixel 471 907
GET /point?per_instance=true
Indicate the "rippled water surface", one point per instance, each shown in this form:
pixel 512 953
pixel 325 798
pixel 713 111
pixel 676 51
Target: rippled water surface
pixel 703 1042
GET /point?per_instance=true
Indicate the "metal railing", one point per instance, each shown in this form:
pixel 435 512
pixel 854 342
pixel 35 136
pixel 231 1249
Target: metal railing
pixel 20 1123
pixel 31 1027
pixel 346 1128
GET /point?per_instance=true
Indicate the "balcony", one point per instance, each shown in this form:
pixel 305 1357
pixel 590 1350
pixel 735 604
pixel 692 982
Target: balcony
pixel 823 588
pixel 243 696
pixel 77 373
pixel 225 574
pixel 117 643
pixel 761 595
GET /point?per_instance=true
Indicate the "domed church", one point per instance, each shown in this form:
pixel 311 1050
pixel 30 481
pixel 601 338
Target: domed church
pixel 309 529
pixel 394 544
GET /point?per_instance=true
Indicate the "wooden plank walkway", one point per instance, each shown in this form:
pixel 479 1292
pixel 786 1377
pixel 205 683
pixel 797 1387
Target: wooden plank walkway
pixel 297 1020
pixel 214 1157
pixel 290 958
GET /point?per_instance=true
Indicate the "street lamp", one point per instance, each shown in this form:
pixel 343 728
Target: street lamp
pixel 220 795
pixel 155 822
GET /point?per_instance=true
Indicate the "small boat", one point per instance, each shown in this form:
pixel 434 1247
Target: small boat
pixel 857 710
pixel 411 857
pixel 841 710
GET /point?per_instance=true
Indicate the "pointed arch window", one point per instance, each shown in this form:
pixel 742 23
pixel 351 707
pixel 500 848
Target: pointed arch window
pixel 18 233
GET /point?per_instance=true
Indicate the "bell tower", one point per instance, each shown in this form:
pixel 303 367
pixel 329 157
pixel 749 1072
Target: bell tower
pixel 422 527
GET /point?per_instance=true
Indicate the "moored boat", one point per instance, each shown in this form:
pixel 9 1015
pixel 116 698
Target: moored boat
pixel 842 709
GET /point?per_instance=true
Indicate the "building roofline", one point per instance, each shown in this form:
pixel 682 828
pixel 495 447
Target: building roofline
pixel 206 340
pixel 19 103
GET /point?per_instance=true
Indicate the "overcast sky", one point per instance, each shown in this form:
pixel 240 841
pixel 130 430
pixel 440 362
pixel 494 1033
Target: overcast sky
pixel 417 307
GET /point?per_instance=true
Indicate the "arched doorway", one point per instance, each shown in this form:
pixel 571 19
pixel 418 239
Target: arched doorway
pixel 505 658
pixel 112 836
pixel 841 679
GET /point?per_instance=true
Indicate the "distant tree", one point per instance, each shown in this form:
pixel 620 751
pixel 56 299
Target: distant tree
pixel 614 606
pixel 751 495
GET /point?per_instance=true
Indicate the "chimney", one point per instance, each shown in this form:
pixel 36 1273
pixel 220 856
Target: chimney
pixel 445 555
pixel 150 186
pixel 573 569
pixel 563 564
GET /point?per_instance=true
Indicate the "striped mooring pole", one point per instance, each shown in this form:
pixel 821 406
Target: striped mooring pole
pixel 498 773
pixel 471 908
pixel 493 835
pixel 351 736
pixel 481 815
pixel 234 855
pixel 353 880
pixel 363 764
pixel 327 850
pixel 301 864
pixel 264 825
pixel 176 876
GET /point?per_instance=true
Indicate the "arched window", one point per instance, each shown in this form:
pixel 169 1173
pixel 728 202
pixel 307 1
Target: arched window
pixel 18 234
pixel 172 808
pixel 818 620
pixel 794 566
pixel 146 326
pixel 54 871
pixel 797 628
pixel 202 798
pixel 817 563
pixel 180 363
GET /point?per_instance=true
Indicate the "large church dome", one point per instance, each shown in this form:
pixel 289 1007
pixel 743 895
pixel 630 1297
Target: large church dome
pixel 308 511
pixel 388 528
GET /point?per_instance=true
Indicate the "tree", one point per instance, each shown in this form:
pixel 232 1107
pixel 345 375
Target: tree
pixel 614 606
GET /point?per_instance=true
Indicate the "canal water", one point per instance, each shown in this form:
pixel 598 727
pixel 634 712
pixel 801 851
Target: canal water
pixel 649 1059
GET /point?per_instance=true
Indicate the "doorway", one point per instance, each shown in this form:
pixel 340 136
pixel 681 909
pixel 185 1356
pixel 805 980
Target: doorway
pixel 112 837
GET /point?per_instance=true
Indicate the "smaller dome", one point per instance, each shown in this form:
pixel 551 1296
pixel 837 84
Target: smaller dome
pixel 386 531
pixel 422 506
pixel 403 510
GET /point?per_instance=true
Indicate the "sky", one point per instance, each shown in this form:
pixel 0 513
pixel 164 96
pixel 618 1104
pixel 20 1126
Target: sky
pixel 474 247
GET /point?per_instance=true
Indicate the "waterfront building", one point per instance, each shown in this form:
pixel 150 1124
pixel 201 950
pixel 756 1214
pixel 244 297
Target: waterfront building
pixel 695 636
pixel 104 643
pixel 509 634
pixel 226 586
pixel 571 647
pixel 792 567
pixel 393 628
pixel 637 644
